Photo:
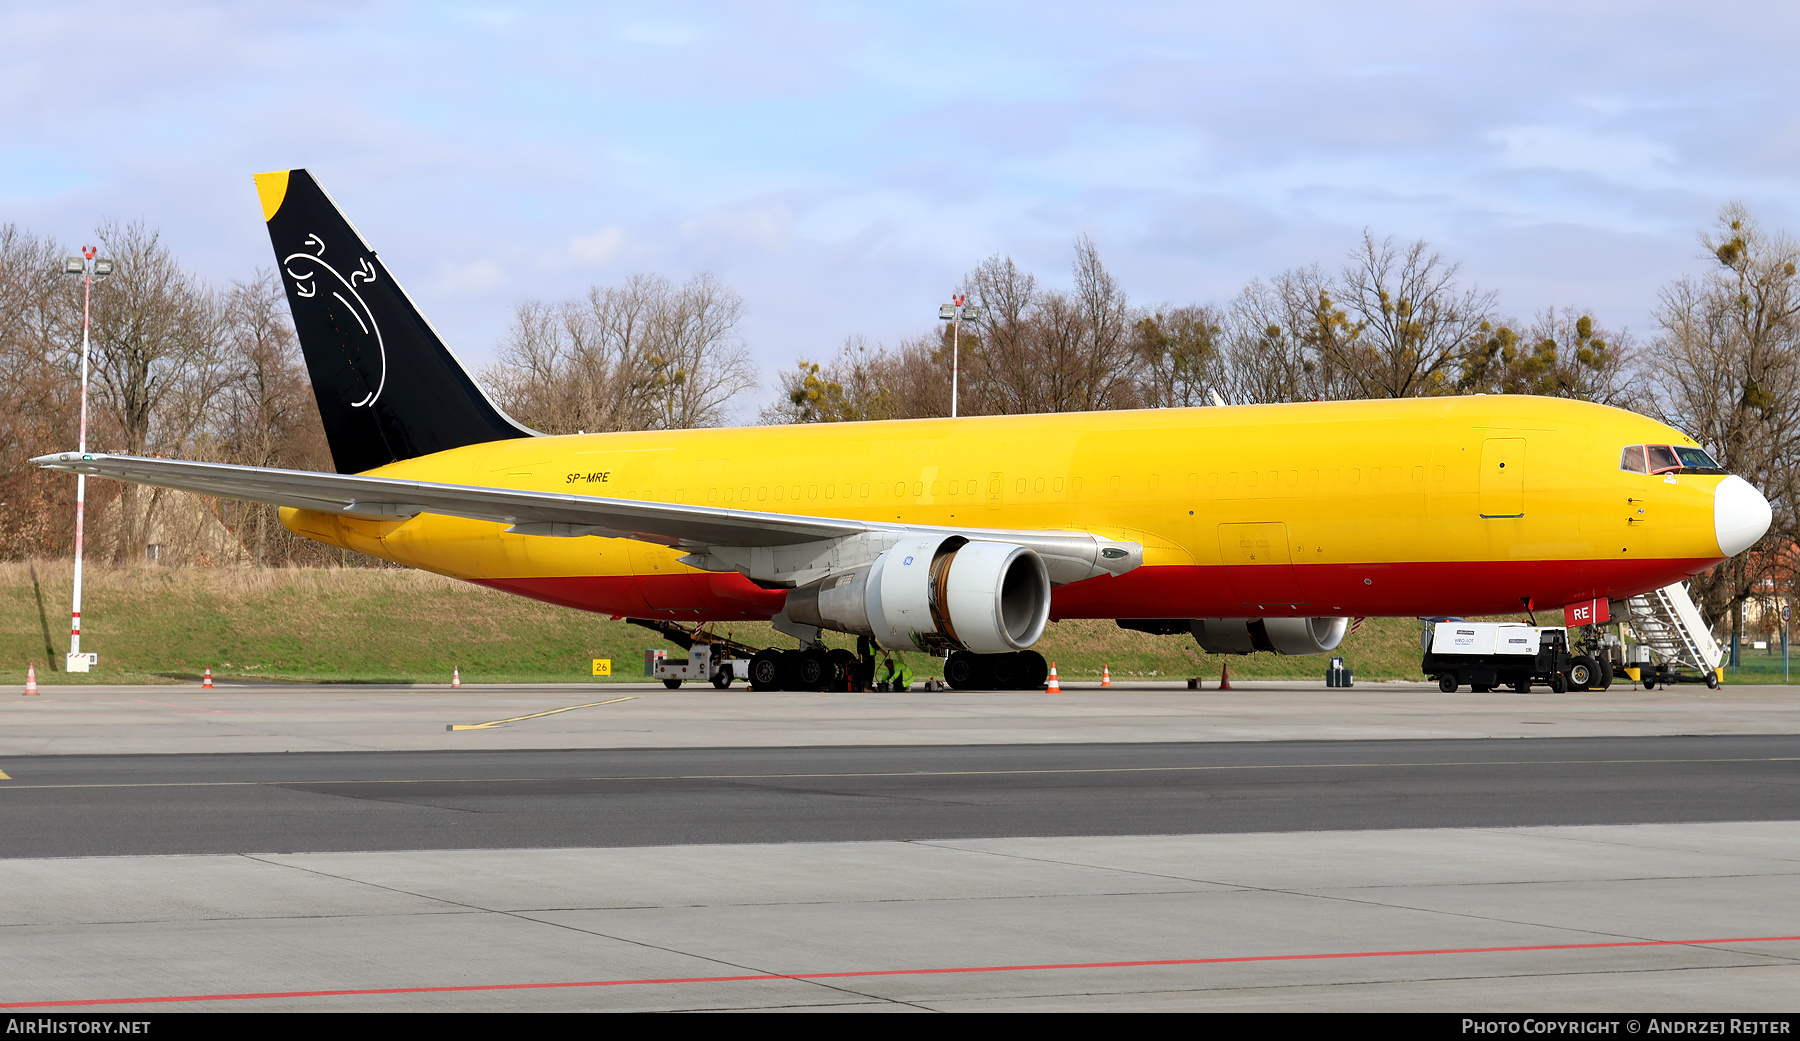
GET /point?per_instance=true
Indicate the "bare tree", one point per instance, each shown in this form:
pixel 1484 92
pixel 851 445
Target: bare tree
pixel 1180 355
pixel 265 414
pixel 640 356
pixel 1726 363
pixel 158 358
pixel 1560 354
pixel 1410 322
pixel 1285 341
pixel 38 394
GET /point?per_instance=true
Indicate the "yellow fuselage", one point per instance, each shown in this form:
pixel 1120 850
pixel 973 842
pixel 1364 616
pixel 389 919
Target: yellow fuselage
pixel 1437 506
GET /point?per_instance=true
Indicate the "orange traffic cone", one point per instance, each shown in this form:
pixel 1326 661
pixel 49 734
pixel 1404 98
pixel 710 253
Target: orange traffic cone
pixel 1054 687
pixel 30 681
pixel 456 677
pixel 206 680
pixel 1105 676
pixel 1224 677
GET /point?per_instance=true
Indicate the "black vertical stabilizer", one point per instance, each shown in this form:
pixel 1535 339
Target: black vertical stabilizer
pixel 388 389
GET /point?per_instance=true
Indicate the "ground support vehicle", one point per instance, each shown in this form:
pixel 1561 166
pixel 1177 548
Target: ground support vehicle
pixel 810 668
pixel 700 665
pixel 1674 644
pixel 1486 655
pixel 713 658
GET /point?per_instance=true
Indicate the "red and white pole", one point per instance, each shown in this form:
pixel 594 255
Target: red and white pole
pixel 955 351
pixel 87 294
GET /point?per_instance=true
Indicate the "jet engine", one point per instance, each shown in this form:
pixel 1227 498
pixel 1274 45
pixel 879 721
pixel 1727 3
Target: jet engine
pixel 935 594
pixel 1281 635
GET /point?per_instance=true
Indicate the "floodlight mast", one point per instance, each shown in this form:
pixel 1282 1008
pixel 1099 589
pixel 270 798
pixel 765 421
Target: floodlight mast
pixel 954 313
pixel 88 265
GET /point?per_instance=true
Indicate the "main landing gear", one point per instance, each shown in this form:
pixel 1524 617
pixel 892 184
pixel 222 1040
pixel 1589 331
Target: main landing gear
pixel 1022 670
pixel 812 669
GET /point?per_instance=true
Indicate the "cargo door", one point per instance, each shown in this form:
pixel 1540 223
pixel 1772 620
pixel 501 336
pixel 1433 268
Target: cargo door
pixel 1503 477
pixel 1259 564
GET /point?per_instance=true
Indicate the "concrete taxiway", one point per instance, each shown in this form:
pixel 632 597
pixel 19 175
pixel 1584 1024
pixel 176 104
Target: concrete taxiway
pixel 368 717
pixel 1270 847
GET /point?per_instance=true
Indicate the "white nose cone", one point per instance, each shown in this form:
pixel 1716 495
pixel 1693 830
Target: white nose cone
pixel 1740 515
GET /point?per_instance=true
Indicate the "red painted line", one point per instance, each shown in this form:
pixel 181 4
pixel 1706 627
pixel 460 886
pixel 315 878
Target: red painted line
pixel 867 973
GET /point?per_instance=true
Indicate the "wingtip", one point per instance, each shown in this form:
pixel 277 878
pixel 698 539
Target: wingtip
pixel 272 188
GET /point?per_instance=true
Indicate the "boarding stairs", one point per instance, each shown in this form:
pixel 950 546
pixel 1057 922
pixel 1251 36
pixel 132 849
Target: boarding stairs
pixel 1667 622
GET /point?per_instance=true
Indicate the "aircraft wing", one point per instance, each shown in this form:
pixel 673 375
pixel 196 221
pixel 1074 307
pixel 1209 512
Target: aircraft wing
pixel 708 532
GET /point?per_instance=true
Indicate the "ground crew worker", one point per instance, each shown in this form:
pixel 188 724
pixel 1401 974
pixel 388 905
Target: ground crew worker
pixel 885 682
pixel 903 679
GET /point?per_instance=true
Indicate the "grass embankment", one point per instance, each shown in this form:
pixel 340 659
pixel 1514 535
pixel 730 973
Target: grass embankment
pixel 369 625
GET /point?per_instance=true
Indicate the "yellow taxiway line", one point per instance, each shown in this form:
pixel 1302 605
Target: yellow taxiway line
pixel 534 715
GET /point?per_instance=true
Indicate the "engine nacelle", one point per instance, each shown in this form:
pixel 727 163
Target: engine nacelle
pixel 933 594
pixel 1281 635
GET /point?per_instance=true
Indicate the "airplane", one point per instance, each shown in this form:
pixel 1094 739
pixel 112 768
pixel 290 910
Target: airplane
pixel 1250 527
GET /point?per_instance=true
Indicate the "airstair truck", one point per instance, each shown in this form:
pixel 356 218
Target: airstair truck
pixel 1486 655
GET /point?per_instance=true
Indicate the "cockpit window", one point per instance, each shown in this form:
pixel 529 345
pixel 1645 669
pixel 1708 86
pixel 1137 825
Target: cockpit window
pixel 1696 459
pixel 1660 459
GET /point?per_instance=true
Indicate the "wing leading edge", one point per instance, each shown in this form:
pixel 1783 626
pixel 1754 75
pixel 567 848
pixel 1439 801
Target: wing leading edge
pixel 715 539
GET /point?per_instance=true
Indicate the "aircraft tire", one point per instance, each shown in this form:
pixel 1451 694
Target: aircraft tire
pixel 960 670
pixel 1447 683
pixel 815 670
pixel 1004 668
pixel 765 670
pixel 787 668
pixel 1581 672
pixel 1034 671
pixel 843 669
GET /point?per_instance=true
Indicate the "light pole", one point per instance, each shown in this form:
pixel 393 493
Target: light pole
pixel 956 312
pixel 91 268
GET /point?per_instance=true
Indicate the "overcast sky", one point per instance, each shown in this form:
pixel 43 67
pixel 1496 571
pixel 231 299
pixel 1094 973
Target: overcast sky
pixel 842 165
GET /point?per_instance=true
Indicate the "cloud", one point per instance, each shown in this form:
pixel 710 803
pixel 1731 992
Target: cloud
pixel 478 276
pixel 601 246
pixel 1615 157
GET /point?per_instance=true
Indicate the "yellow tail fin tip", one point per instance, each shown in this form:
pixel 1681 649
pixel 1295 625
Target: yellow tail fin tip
pixel 272 188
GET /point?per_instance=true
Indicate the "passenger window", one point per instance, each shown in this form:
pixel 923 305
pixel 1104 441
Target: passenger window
pixel 1662 457
pixel 1631 460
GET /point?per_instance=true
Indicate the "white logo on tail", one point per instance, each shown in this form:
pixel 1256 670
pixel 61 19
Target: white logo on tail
pixel 306 285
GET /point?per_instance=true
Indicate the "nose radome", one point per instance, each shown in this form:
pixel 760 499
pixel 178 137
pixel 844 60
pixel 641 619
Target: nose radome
pixel 1740 515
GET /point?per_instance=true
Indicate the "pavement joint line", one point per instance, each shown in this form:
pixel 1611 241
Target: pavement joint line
pixel 1058 771
pixel 1639 845
pixel 807 977
pixel 526 916
pixel 1336 984
pixel 535 715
